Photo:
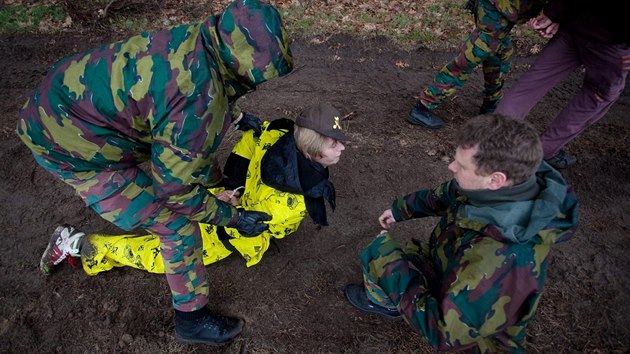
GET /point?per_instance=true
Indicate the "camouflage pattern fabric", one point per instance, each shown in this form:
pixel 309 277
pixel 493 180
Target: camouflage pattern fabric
pixel 471 287
pixel 489 45
pixel 160 97
pixel 104 252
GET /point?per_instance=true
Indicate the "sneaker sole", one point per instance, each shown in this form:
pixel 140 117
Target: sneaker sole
pixel 44 260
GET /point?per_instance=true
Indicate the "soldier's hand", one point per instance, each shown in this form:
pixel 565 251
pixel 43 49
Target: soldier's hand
pixel 229 196
pixel 386 219
pixel 249 122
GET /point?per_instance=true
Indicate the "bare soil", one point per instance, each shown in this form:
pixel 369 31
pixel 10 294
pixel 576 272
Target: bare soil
pixel 293 300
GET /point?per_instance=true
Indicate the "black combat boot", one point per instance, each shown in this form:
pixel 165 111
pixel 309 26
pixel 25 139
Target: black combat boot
pixel 356 296
pixel 203 327
pixel 420 115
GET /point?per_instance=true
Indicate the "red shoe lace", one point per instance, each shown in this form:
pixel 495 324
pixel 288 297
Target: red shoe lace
pixel 74 262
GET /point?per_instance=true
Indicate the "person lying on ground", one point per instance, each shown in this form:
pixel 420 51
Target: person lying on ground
pixel 280 169
pixel 477 282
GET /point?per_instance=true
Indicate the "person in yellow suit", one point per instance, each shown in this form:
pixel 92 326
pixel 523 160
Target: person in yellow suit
pixel 278 167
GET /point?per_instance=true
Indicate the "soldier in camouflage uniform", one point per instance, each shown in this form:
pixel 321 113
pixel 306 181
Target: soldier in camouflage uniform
pixel 489 45
pixel 162 97
pixel 477 282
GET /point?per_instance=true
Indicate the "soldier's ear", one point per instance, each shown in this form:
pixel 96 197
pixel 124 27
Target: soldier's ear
pixel 497 180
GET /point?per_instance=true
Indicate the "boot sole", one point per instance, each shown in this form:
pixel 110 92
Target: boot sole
pixel 371 311
pixel 411 121
pixel 199 341
pixel 207 341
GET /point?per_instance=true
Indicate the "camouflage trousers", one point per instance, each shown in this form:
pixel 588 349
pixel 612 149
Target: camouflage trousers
pixel 409 273
pixel 126 198
pixel 375 259
pixel 490 45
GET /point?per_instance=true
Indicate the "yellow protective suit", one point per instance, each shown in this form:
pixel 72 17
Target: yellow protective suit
pixel 104 252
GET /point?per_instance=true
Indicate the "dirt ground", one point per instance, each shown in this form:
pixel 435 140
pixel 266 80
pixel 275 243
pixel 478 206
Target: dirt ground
pixel 293 300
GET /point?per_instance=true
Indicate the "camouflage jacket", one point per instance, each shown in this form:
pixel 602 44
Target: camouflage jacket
pixel 478 281
pixel 518 11
pixel 162 97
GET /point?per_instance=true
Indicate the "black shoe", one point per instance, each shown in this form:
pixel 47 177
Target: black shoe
pixel 355 293
pixel 488 107
pixel 561 160
pixel 420 115
pixel 209 329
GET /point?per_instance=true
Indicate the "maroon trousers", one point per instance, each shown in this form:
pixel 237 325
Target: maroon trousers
pixel 606 68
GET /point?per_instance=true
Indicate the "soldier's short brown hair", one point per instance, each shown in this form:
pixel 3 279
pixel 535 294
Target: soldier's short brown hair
pixel 503 145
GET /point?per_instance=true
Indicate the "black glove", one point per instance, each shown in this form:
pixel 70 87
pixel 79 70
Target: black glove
pixel 250 223
pixel 249 122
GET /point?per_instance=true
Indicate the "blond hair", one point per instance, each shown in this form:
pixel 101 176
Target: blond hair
pixel 309 142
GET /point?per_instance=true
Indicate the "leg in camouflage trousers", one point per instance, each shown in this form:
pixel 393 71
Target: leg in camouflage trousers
pixel 490 45
pixel 126 199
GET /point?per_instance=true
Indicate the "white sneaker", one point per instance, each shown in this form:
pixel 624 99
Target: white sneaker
pixel 64 242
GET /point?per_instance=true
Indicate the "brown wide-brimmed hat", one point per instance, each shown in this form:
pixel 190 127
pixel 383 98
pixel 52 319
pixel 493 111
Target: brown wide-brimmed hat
pixel 324 119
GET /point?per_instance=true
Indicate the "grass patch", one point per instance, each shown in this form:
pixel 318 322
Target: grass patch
pixel 433 24
pixel 417 36
pixel 131 24
pixel 22 18
pixel 403 21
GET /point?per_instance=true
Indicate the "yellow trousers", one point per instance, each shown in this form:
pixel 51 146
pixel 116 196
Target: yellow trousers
pixel 104 252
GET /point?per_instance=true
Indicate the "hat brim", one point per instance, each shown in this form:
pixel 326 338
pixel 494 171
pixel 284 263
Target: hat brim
pixel 337 135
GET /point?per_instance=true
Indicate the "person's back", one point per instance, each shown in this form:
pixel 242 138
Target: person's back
pixel 152 88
